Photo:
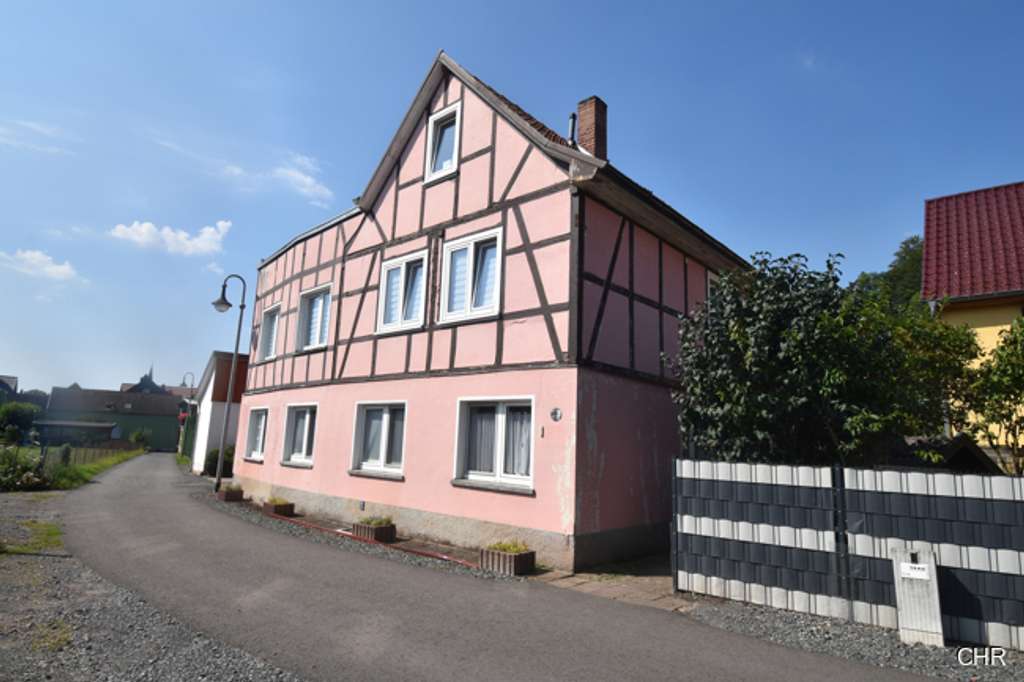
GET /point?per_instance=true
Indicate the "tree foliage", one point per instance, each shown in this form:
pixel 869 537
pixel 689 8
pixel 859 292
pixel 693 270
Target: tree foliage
pixel 18 415
pixel 787 365
pixel 900 283
pixel 998 399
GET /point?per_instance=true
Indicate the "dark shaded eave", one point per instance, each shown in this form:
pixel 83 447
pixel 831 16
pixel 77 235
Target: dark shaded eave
pixel 624 194
pixel 1011 296
pixel 311 232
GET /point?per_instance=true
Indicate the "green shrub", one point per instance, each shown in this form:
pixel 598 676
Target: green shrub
pixel 998 399
pixel 65 454
pixel 210 464
pixel 232 488
pixel 17 414
pixel 18 470
pixel 376 521
pixel 12 434
pixel 275 500
pixel 141 437
pixel 509 546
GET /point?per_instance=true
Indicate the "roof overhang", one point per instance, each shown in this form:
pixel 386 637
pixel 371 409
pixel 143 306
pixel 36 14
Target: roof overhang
pixel 992 298
pixel 316 229
pixel 579 161
pixel 619 192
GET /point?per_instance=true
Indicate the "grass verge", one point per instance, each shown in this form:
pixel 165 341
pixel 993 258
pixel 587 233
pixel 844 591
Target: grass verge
pixel 74 475
pixel 42 535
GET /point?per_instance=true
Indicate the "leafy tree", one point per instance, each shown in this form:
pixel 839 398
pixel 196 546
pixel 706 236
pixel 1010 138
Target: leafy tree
pixel 901 282
pixel 141 437
pixel 787 365
pixel 19 415
pixel 998 399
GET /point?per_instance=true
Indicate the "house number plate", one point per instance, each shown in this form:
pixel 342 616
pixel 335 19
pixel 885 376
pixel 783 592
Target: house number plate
pixel 914 571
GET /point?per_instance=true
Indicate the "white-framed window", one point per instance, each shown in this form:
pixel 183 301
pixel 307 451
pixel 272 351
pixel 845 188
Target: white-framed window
pixel 495 440
pixel 401 302
pixel 379 436
pixel 299 434
pixel 314 316
pixel 471 276
pixel 257 439
pixel 712 285
pixel 268 333
pixel 442 157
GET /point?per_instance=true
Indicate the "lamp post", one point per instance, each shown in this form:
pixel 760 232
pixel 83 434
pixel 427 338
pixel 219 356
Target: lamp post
pixel 222 305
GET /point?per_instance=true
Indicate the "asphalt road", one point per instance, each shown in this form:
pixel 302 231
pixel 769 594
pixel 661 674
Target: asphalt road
pixel 336 615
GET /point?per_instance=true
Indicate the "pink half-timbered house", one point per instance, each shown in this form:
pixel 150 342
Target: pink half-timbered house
pixel 474 348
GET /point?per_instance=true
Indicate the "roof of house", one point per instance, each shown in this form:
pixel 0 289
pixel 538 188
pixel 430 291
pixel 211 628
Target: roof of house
pixel 9 381
pixel 180 391
pixel 218 367
pixel 583 165
pixel 974 244
pixel 80 400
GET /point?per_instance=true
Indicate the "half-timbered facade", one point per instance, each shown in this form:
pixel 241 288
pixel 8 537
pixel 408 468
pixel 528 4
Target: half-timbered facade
pixel 474 349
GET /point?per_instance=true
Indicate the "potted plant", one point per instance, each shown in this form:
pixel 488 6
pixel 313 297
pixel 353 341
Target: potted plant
pixel 510 557
pixel 279 506
pixel 230 493
pixel 376 528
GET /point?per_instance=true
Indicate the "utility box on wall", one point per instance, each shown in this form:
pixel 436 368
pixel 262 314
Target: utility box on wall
pixel 917 596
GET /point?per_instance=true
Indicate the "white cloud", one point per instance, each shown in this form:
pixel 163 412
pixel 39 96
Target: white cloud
pixel 37 264
pixel 72 232
pixel 213 267
pixel 24 135
pixel 299 174
pixel 147 235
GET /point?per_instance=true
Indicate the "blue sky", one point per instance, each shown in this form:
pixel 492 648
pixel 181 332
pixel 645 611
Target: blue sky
pixel 145 149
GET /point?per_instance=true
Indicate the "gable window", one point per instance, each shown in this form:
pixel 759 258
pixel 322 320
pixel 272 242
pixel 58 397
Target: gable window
pixel 495 441
pixel 401 301
pixel 472 276
pixel 712 285
pixel 298 437
pixel 379 436
pixel 314 315
pixel 443 143
pixel 256 442
pixel 268 333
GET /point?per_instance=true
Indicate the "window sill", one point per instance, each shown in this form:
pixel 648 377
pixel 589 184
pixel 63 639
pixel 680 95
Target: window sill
pixel 488 316
pixel 297 465
pixel 440 177
pixel 311 349
pixel 494 487
pixel 253 460
pixel 376 473
pixel 396 331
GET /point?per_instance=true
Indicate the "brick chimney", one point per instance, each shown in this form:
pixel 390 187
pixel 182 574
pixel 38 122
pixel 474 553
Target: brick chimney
pixel 593 126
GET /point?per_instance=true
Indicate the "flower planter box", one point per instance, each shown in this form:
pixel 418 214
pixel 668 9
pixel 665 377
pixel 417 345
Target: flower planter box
pixel 286 509
pixel 230 495
pixel 507 563
pixel 366 531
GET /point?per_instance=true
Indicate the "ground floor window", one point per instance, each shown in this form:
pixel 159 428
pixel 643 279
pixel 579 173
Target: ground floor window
pixel 379 436
pixel 298 438
pixel 257 434
pixel 496 441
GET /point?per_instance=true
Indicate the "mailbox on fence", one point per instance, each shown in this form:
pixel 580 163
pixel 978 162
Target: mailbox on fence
pixel 917 595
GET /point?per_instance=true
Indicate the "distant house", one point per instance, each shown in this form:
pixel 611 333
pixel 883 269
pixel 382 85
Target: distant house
pixel 78 408
pixel 8 388
pixel 974 258
pixel 211 397
pixel 147 385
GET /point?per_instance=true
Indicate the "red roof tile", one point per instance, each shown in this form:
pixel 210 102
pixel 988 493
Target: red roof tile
pixel 530 120
pixel 974 243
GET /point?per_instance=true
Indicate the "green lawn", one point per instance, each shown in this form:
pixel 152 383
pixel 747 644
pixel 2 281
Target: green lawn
pixel 74 475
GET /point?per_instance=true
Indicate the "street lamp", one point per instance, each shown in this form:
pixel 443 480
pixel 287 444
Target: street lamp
pixel 222 305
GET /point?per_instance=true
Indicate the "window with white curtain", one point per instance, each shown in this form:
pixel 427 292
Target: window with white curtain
pixel 403 288
pixel 314 316
pixel 268 333
pixel 496 441
pixel 299 434
pixel 379 436
pixel 471 278
pixel 256 442
pixel 442 157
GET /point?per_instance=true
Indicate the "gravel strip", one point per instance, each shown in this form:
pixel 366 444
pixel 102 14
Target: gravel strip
pixel 246 511
pixel 863 643
pixel 59 620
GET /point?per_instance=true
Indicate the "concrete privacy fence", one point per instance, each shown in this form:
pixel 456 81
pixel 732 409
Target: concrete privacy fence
pixel 822 540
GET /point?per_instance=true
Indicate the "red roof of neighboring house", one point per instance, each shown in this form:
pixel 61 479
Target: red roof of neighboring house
pixel 974 243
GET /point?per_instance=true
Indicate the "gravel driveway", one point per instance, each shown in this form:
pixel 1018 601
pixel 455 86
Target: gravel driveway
pixel 59 620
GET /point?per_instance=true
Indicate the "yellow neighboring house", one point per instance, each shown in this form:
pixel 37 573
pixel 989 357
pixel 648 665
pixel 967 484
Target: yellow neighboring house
pixel 974 258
